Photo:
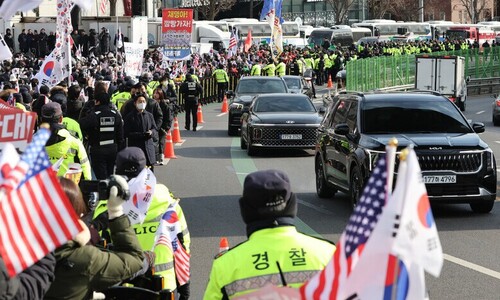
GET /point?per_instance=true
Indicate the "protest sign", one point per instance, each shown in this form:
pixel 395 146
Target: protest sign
pixel 177 26
pixel 133 59
pixel 16 127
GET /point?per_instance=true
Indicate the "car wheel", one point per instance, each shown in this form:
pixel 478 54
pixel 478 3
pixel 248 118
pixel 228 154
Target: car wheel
pixel 496 122
pixel 482 207
pixel 243 145
pixel 322 188
pixel 356 185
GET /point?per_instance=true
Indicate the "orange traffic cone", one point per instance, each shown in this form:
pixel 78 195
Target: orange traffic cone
pixel 199 115
pixel 223 245
pixel 329 85
pixel 176 136
pixel 169 147
pixel 224 108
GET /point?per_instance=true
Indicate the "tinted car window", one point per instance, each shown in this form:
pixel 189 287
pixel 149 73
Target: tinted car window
pixel 264 86
pixel 352 117
pixel 412 117
pixel 292 83
pixel 275 104
pixel 341 112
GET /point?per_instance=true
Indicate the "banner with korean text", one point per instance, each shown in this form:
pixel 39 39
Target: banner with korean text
pixel 134 54
pixel 16 126
pixel 177 26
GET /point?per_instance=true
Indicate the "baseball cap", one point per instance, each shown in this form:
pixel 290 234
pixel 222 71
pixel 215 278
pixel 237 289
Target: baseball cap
pixel 130 162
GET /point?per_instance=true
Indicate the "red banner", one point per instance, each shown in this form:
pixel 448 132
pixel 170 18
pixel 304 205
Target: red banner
pixel 16 127
pixel 127 6
pixel 177 25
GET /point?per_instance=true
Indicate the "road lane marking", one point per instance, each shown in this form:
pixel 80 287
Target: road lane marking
pixel 472 266
pixel 243 164
pixel 221 114
pixel 480 112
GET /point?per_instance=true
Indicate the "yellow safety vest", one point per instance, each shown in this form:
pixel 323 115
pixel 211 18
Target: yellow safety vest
pixel 120 99
pixel 146 232
pixel 270 69
pixel 68 149
pixel 73 127
pixel 245 268
pixel 256 70
pixel 281 69
pixel 220 76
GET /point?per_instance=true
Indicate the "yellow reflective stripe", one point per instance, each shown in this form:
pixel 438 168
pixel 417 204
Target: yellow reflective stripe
pixel 255 282
pixel 72 151
pixel 84 160
pixel 164 267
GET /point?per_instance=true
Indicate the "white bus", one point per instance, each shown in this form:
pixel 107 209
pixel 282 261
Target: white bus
pixel 261 31
pixel 386 29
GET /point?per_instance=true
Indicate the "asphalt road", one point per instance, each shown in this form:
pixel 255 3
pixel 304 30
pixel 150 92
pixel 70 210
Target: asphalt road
pixel 208 175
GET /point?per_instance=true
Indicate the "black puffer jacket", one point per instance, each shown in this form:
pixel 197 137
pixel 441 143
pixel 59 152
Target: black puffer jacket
pixel 32 283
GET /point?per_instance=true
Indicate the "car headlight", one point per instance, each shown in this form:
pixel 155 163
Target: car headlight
pixel 489 159
pixel 236 106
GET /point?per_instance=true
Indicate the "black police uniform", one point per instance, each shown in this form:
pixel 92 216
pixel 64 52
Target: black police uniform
pixel 191 90
pixel 104 129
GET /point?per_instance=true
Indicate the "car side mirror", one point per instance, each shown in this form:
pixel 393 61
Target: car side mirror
pixel 478 127
pixel 322 110
pixel 230 93
pixel 342 129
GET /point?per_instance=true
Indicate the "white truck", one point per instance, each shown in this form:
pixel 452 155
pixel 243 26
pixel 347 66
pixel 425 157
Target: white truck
pixel 443 74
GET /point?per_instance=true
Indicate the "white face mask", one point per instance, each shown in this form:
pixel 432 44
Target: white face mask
pixel 141 106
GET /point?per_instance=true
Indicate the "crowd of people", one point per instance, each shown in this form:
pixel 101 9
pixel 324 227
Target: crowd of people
pixel 115 126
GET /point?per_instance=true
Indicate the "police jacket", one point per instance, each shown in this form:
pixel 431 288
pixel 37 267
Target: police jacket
pixel 191 90
pixel 136 124
pixel 32 283
pixel 73 127
pixel 82 269
pixel 220 76
pixel 104 128
pixel 146 233
pixel 256 70
pixel 244 268
pixel 62 144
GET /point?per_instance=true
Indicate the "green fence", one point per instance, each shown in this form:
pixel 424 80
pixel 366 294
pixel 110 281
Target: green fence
pixel 386 71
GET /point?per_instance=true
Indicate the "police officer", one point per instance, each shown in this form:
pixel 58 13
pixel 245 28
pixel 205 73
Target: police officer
pixel 190 91
pixel 61 144
pixel 124 95
pixel 104 128
pixel 281 68
pixel 130 162
pixel 222 81
pixel 270 68
pixel 256 69
pixel 274 247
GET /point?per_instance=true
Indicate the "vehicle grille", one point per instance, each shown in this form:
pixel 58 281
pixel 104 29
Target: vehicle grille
pixel 457 162
pixel 271 137
pixel 460 162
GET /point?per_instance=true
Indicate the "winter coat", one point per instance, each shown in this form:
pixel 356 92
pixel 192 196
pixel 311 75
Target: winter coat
pixel 135 125
pixel 82 269
pixel 32 283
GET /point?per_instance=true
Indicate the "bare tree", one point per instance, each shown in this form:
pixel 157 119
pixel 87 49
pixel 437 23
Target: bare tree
pixel 378 8
pixel 211 8
pixel 435 8
pixel 405 10
pixel 340 9
pixel 475 8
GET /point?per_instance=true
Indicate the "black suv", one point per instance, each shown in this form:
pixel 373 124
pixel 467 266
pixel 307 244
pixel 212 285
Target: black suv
pixel 245 92
pixel 457 166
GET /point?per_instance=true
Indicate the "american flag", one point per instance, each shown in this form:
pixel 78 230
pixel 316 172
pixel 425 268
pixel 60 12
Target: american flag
pixel 35 217
pixel 233 41
pixel 166 235
pixel 326 284
pixel 102 6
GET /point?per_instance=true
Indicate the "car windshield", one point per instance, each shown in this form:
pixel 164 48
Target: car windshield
pixel 292 83
pixel 412 117
pixel 280 104
pixel 261 86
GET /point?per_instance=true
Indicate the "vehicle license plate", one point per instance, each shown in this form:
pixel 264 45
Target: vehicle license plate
pixel 431 179
pixel 291 136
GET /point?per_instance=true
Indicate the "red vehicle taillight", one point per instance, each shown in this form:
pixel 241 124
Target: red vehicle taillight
pixel 497 102
pixel 452 99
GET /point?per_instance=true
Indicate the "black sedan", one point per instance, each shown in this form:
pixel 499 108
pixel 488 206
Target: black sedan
pixel 280 121
pixel 247 88
pixel 298 85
